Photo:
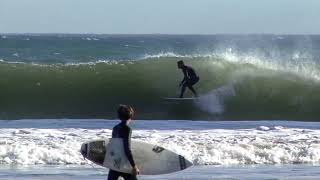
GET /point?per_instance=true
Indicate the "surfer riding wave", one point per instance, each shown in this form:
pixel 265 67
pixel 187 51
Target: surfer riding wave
pixel 190 78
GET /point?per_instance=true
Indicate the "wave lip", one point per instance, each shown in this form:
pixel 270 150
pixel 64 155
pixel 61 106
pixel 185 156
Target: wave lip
pixel 163 55
pixel 297 63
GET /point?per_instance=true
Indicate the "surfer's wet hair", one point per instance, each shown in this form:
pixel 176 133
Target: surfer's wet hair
pixel 125 112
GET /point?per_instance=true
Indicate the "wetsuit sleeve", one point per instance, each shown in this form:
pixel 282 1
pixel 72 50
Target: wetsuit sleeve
pixel 185 76
pixel 127 146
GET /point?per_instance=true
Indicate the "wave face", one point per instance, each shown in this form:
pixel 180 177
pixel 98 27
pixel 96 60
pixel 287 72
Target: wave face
pixel 228 90
pixel 241 77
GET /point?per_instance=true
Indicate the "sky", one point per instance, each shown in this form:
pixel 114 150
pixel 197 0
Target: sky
pixel 160 16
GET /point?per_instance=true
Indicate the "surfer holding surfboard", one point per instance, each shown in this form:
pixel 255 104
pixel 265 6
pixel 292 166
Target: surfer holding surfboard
pixel 190 78
pixel 122 130
pixel 122 156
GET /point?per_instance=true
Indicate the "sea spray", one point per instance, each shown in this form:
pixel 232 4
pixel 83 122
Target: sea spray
pixel 213 101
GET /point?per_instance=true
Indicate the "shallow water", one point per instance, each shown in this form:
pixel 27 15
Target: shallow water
pixel 266 172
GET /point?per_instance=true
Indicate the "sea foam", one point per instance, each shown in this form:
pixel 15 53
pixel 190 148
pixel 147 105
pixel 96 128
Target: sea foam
pixel 261 145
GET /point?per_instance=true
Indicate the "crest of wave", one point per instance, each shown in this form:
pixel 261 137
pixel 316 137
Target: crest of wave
pixel 299 64
pixel 213 101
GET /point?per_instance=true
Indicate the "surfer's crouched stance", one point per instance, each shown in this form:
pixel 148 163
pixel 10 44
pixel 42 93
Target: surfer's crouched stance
pixel 122 130
pixel 190 78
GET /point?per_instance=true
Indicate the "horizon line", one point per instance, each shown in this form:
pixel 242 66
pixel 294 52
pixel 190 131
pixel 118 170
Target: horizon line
pixel 128 34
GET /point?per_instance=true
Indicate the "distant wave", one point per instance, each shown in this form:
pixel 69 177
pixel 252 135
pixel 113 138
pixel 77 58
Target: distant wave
pixel 297 62
pixel 166 54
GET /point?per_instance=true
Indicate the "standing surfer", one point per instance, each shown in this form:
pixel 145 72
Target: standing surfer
pixel 190 78
pixel 122 130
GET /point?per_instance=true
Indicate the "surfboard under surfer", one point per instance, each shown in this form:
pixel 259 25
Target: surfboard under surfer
pixel 190 78
pixel 122 130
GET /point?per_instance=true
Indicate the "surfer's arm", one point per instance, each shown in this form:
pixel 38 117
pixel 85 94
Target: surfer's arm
pixel 184 78
pixel 127 147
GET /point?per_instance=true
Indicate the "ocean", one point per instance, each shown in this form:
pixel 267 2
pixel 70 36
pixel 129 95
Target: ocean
pixel 256 117
pixel 242 77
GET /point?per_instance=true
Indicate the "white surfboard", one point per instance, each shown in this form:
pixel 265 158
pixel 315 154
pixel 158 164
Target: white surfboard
pixel 150 159
pixel 181 99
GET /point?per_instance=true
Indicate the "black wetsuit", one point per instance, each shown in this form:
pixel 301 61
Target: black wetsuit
pixel 190 79
pixel 123 131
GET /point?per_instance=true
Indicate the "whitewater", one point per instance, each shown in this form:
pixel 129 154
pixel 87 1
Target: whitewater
pixel 204 143
pixel 26 144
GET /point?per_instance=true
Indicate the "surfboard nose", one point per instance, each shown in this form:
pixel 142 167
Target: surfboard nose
pixel 188 163
pixel 84 149
pixel 184 163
